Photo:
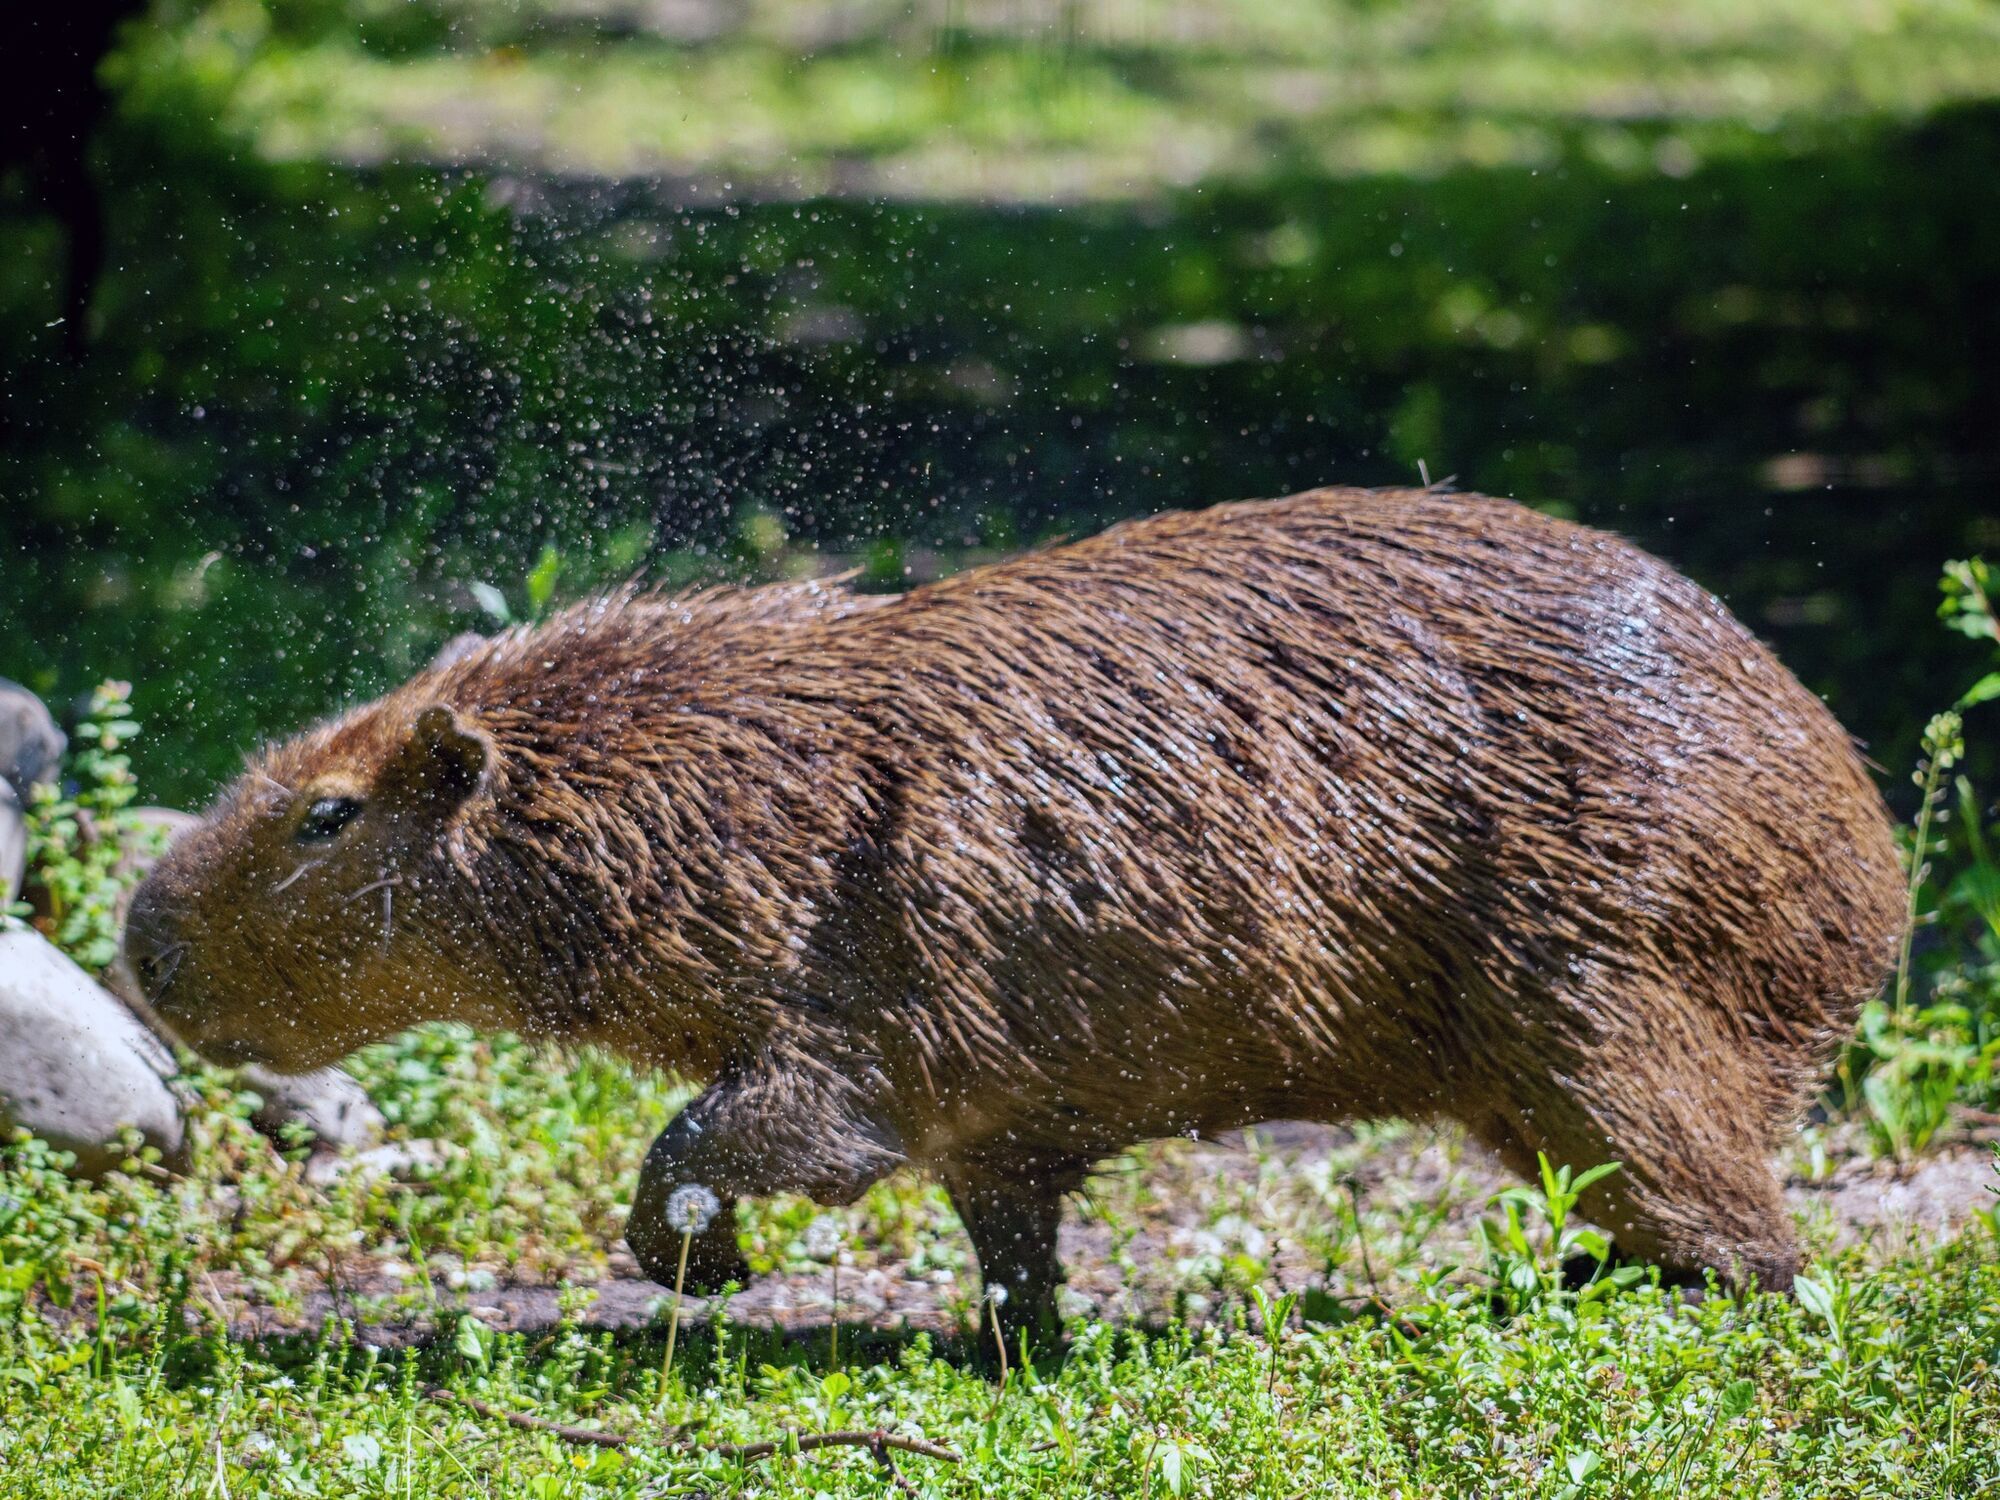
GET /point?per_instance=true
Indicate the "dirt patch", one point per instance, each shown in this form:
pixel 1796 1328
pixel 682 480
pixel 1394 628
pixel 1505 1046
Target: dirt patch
pixel 1179 1230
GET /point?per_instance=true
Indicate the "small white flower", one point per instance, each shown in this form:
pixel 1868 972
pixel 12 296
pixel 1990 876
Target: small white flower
pixel 690 1208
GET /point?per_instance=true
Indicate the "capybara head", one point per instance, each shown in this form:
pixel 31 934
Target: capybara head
pixel 575 830
pixel 271 933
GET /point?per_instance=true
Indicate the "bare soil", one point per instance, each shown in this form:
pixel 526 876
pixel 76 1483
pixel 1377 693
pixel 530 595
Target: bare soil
pixel 1157 1238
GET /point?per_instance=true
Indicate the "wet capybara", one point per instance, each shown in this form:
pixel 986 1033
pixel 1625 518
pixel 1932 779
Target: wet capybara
pixel 1354 803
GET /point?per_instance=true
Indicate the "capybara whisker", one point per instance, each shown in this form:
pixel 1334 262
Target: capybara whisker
pixel 290 880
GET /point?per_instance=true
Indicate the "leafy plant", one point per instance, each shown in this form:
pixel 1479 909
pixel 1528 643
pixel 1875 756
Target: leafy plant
pixel 1968 587
pixel 1529 1266
pixel 1937 1041
pixel 1275 1313
pixel 1923 1058
pixel 80 843
pixel 538 590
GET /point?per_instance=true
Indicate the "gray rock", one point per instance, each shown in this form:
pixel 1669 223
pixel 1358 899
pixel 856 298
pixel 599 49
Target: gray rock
pixel 75 1065
pixel 31 747
pixel 336 1111
pixel 157 828
pixel 330 1105
pixel 13 845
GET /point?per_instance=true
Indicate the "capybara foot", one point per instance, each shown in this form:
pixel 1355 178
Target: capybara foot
pixel 714 1258
pixel 1579 1271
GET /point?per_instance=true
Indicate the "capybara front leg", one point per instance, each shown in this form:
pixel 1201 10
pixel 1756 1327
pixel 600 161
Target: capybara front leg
pixel 1012 1218
pixel 780 1126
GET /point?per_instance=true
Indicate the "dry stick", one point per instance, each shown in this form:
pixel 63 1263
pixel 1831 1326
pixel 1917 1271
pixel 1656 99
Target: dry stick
pixel 1382 1308
pixel 1361 1236
pixel 877 1442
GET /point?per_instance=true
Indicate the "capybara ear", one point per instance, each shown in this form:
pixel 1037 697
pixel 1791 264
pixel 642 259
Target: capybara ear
pixel 439 765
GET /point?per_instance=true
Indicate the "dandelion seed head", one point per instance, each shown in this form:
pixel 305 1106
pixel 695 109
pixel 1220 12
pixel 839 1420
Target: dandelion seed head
pixel 691 1208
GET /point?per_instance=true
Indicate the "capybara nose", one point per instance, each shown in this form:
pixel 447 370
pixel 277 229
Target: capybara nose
pixel 153 946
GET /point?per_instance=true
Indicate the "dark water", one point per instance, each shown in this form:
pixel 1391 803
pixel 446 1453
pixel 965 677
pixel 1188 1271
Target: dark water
pixel 322 403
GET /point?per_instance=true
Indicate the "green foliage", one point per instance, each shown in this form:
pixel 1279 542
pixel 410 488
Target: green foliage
pixel 1936 1043
pixel 538 590
pixel 1528 1253
pixel 1920 1062
pixel 80 844
pixel 319 400
pixel 1874 1385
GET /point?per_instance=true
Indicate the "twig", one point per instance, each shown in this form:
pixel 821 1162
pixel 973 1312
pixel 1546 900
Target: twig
pixel 877 1442
pixel 880 1448
pixel 1361 1237
pixel 807 1441
pixel 1374 1298
pixel 586 1435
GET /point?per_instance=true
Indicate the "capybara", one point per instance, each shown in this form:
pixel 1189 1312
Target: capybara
pixel 1349 804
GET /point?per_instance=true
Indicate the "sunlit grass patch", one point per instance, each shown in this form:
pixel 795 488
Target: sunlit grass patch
pixel 1879 1383
pixel 1101 100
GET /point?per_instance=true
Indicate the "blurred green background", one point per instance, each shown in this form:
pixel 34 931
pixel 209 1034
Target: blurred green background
pixel 400 294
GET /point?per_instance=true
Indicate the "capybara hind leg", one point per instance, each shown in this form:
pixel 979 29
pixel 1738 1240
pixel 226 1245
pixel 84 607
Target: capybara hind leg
pixel 779 1125
pixel 1012 1217
pixel 1693 1192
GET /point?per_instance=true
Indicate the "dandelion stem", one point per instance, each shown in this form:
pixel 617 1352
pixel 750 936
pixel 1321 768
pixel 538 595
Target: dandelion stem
pixel 674 1318
pixel 999 1340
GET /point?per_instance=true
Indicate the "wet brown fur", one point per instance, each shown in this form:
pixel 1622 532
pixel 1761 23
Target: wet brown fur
pixel 1353 803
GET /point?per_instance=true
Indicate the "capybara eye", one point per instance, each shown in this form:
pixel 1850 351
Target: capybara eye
pixel 326 817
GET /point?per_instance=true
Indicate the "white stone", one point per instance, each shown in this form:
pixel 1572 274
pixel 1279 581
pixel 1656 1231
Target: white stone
pixel 13 845
pixel 75 1065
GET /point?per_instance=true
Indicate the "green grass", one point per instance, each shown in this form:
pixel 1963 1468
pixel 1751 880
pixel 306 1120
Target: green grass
pixel 116 1378
pixel 1102 99
pixel 1636 1396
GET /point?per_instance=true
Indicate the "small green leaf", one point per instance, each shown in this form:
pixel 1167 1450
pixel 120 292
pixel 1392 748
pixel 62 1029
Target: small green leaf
pixel 473 1341
pixel 1591 1243
pixel 363 1450
pixel 1815 1297
pixel 1595 1174
pixel 1983 691
pixel 1582 1465
pixel 1737 1397
pixel 542 581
